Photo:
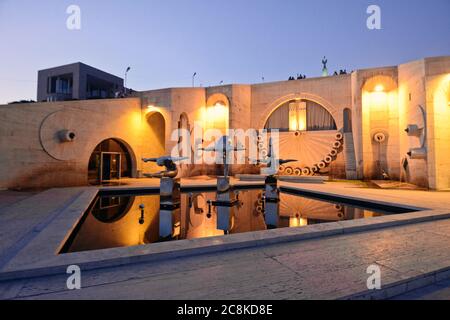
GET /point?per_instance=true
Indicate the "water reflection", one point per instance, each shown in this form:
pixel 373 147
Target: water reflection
pixel 111 209
pixel 120 221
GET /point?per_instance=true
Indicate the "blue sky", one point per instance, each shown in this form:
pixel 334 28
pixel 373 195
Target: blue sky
pixel 235 41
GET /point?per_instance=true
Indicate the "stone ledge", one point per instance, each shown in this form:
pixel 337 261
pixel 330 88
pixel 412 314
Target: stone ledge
pixel 401 287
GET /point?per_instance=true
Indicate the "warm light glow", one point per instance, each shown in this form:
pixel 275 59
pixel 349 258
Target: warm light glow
pixel 439 141
pixel 151 108
pixel 217 112
pixel 302 116
pixel 294 221
pixel 216 117
pixel 293 123
pixel 375 101
pixel 379 88
pixel 297 116
pixel 297 221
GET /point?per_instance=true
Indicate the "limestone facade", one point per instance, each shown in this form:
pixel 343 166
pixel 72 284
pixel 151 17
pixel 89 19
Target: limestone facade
pixel 379 103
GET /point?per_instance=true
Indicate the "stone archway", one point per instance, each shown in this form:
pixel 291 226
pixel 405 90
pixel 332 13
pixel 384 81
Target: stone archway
pixel 157 131
pixel 265 114
pixel 153 139
pixel 112 159
pixel 380 138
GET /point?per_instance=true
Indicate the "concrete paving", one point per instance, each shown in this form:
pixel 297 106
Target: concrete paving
pixel 19 218
pixel 328 268
pixel 333 267
pixel 9 197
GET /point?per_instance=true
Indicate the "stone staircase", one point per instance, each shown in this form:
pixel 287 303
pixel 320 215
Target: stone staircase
pixel 350 158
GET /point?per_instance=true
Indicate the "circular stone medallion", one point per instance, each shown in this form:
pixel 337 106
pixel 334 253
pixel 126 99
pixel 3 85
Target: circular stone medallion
pixel 51 131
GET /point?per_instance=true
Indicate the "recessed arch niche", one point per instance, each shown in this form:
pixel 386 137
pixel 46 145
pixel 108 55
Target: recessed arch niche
pixel 112 159
pixel 300 115
pixel 217 112
pixel 307 132
pixel 379 112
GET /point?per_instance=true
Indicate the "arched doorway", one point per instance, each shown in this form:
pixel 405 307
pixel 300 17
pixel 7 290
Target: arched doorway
pixel 110 161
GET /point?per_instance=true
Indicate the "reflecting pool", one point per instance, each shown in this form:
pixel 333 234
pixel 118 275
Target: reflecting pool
pixel 128 220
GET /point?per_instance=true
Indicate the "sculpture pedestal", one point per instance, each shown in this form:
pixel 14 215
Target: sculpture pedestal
pixel 169 208
pixel 224 204
pixel 271 203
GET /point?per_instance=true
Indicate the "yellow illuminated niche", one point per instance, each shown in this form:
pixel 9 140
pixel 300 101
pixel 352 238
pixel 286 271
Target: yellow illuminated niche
pixel 440 141
pixel 216 117
pixel 380 104
pixel 151 108
pixel 379 88
pixel 379 99
pixel 297 116
pixel 297 221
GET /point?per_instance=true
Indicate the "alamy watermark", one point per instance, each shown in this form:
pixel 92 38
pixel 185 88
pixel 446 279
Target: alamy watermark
pixel 374 20
pixel 74 280
pixel 73 21
pixel 374 280
pixel 235 146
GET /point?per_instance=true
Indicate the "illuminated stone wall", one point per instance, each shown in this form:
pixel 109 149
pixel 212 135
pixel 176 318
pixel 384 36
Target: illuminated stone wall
pixel 379 122
pixel 411 96
pixel 438 112
pixel 29 160
pixel 173 104
pixel 381 100
pixel 333 93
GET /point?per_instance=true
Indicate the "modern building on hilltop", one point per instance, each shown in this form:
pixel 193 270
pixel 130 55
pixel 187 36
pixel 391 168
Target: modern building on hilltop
pixel 76 81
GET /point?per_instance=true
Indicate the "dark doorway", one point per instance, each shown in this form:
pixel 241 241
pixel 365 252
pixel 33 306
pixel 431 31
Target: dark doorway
pixel 109 161
pixel 110 166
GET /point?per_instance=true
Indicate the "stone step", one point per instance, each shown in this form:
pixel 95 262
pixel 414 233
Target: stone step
pixel 350 158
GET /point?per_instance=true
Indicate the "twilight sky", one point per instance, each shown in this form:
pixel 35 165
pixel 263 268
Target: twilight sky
pixel 235 41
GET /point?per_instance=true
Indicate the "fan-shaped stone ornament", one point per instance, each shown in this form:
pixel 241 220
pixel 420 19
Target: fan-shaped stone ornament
pixel 309 208
pixel 59 136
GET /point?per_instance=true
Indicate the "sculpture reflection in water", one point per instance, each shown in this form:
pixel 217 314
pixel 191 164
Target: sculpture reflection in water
pixel 115 221
pixel 271 191
pixel 169 193
pixel 226 198
pixel 128 220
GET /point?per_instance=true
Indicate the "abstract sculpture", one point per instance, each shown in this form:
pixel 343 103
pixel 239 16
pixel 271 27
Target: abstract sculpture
pixel 271 190
pixel 421 133
pixel 166 161
pixel 169 193
pixel 224 147
pixel 225 197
